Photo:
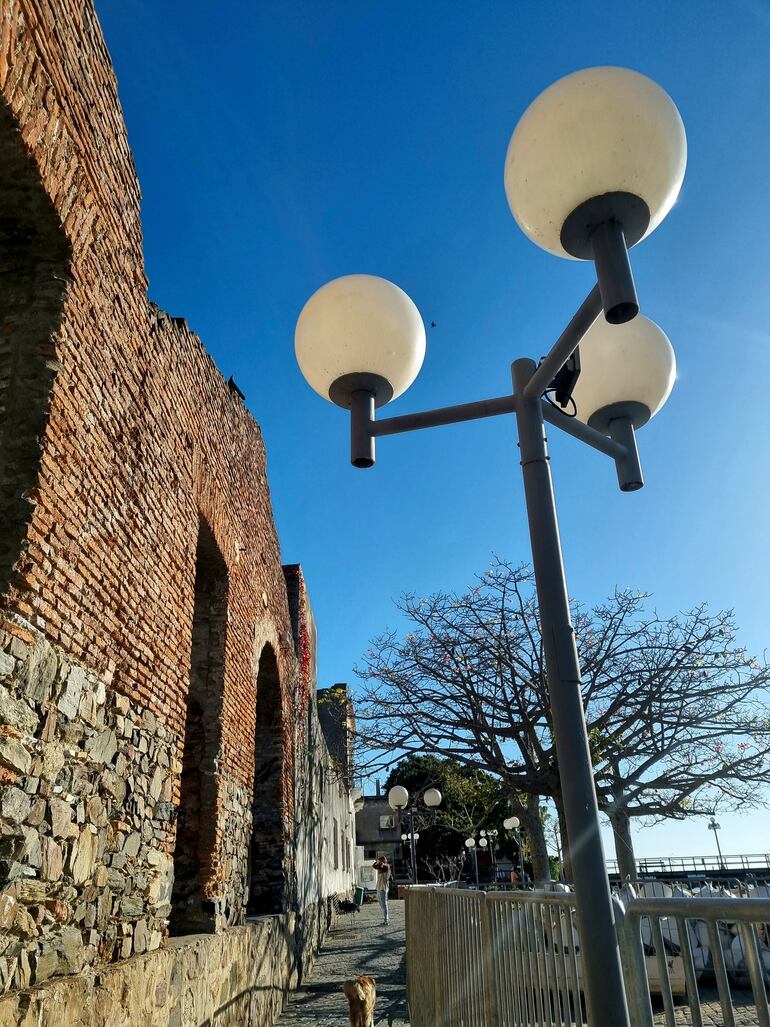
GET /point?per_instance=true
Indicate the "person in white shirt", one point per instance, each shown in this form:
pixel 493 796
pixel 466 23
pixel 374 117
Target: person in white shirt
pixel 382 867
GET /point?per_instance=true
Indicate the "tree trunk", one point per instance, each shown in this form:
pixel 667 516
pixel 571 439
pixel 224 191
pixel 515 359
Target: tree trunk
pixel 533 827
pixel 624 844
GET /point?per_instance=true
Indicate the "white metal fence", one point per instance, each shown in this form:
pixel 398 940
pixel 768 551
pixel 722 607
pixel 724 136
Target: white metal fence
pixel 512 959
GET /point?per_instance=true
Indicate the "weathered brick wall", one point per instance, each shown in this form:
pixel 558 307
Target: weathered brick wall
pixel 123 448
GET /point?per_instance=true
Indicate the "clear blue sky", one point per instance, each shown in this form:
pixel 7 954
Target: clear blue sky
pixel 282 144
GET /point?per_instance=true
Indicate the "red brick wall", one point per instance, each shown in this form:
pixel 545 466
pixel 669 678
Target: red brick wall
pixel 143 434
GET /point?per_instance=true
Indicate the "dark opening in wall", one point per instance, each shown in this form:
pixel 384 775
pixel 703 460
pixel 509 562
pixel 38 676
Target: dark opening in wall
pixel 196 833
pixel 34 267
pixel 266 873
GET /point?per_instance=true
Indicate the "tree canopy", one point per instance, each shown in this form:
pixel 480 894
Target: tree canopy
pixel 677 710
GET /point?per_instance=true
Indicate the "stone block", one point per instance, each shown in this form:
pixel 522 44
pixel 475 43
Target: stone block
pixel 16 713
pixel 61 818
pixel 102 747
pixel 82 857
pixel 69 700
pixel 38 671
pixel 14 804
pixel 14 754
pixel 52 859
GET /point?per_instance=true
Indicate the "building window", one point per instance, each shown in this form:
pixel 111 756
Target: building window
pixel 387 823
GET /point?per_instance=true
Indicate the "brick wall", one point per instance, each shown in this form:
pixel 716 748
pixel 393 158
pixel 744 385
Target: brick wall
pixel 125 463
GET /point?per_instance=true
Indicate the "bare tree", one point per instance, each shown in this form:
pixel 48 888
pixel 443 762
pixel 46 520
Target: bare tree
pixel 677 711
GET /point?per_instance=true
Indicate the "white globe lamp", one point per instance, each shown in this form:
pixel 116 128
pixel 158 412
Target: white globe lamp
pixel 626 370
pixel 470 843
pixel 593 166
pixel 511 823
pixel 359 332
pixel 432 798
pixel 398 797
pixel 483 843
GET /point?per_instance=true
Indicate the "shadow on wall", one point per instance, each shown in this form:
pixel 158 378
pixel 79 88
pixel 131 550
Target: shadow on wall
pixel 266 858
pixel 34 270
pixel 196 833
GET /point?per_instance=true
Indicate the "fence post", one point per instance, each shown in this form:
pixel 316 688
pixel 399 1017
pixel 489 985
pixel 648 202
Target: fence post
pixel 629 930
pixel 488 965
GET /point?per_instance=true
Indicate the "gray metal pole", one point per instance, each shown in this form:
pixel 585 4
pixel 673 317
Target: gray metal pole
pixel 413 845
pixel 476 864
pixel 719 849
pixel 599 950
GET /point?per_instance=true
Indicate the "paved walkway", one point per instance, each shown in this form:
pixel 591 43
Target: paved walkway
pixel 357 945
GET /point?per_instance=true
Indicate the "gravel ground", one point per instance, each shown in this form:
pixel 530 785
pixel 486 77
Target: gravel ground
pixel 357 945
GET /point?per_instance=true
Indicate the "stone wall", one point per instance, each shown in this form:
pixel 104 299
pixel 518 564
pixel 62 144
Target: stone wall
pixel 149 771
pixel 233 979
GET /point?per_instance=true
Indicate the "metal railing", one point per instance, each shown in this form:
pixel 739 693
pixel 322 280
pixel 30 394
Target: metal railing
pixel 697 864
pixel 512 959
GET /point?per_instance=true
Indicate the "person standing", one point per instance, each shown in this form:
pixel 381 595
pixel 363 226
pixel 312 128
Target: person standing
pixel 382 867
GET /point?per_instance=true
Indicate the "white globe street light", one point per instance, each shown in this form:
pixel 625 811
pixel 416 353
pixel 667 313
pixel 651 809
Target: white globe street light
pixel 470 843
pixel 359 330
pixel 594 165
pixel 398 797
pixel 483 843
pixel 626 370
pixel 432 798
pixel 511 823
pixel 601 147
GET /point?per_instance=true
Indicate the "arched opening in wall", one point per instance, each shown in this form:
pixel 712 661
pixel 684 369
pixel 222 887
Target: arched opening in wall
pixel 266 864
pixel 195 849
pixel 34 268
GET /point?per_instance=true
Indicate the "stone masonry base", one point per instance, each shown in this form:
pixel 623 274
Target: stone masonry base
pixel 239 978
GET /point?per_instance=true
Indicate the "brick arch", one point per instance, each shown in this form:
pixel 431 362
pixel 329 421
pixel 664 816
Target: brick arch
pixel 34 268
pixel 192 907
pixel 267 855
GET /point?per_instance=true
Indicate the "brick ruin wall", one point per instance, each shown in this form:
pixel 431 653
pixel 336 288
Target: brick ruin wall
pixel 146 645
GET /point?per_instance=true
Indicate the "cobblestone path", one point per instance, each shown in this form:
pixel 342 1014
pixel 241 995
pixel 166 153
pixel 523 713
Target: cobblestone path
pixel 357 945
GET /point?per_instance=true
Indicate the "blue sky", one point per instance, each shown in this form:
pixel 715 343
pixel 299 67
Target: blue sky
pixel 282 144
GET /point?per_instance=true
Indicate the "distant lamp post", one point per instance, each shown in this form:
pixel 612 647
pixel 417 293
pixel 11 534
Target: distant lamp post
pixel 470 844
pixel 432 798
pixel 398 799
pixel 715 827
pixel 593 166
pixel 513 824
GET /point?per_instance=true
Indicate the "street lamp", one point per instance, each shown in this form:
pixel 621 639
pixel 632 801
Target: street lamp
pixel 398 799
pixel 470 844
pixel 594 165
pixel 513 824
pixel 715 827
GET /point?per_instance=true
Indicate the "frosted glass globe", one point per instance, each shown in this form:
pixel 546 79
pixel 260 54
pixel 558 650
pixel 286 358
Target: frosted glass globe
pixel 631 364
pixel 598 131
pixel 511 823
pixel 470 843
pixel 398 797
pixel 360 324
pixel 432 798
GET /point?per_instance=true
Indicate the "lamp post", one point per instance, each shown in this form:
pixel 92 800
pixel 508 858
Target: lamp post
pixel 715 827
pixel 594 165
pixel 398 799
pixel 512 824
pixel 470 844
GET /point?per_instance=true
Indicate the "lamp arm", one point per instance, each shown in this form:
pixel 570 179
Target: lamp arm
pixel 565 345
